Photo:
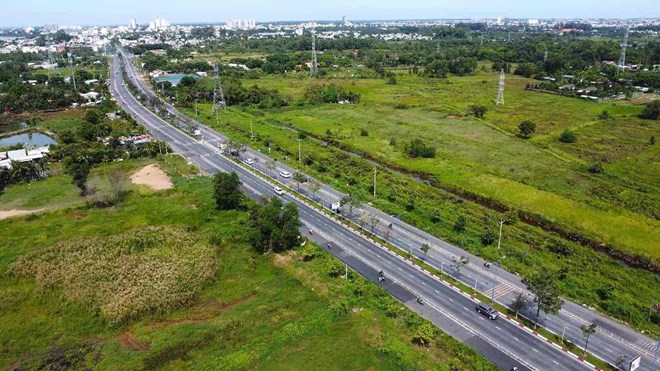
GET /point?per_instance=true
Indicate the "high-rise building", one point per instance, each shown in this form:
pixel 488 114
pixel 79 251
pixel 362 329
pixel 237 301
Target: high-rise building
pixel 159 24
pixel 132 25
pixel 241 24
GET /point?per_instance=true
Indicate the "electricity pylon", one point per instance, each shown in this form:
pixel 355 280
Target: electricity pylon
pixel 500 90
pixel 218 94
pixel 73 77
pixel 314 66
pixel 622 59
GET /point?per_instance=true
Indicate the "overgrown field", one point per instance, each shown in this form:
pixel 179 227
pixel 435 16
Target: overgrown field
pixel 588 276
pixel 244 311
pixel 543 177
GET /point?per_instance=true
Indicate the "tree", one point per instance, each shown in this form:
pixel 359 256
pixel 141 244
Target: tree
pixel 651 111
pixel 605 115
pixel 652 140
pixel 78 169
pixel 458 263
pixel 417 148
pixel 117 181
pixel 353 199
pixel 460 224
pixel 235 148
pixel 587 331
pixel 299 178
pixel 373 222
pixel 488 237
pixel 315 186
pixel 226 191
pixel 567 137
pixel 94 116
pixel 425 248
pixel 271 165
pixel 527 128
pixel 477 110
pixel 546 295
pixel 519 303
pixel 273 227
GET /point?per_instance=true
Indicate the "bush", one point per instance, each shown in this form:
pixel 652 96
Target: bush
pixel 651 111
pixel 461 224
pixel 477 110
pixel 417 148
pixel 488 237
pixel 596 169
pixel 527 128
pixel 364 133
pixel 424 335
pixel 568 137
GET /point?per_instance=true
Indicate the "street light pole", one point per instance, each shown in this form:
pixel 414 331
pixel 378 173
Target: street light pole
pixel 374 182
pixel 499 241
pixel 299 151
pixel 563 332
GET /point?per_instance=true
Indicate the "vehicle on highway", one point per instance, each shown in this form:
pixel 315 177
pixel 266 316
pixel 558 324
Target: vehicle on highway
pixel 487 311
pixel 249 161
pixel 279 191
pixel 285 174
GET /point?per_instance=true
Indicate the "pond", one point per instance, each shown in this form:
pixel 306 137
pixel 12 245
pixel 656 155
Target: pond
pixel 31 139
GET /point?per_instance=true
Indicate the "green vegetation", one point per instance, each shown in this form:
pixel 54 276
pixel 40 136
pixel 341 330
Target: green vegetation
pixel 231 307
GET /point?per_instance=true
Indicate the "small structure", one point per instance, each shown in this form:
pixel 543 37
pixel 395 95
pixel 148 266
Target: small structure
pixel 22 155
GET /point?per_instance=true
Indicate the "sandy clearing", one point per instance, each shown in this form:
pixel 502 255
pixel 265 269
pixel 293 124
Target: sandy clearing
pixel 153 177
pixel 17 212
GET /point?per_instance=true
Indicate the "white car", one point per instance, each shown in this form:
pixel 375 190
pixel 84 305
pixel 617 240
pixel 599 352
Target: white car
pixel 279 191
pixel 249 161
pixel 285 174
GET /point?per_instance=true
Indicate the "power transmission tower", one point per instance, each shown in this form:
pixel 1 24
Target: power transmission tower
pixel 545 55
pixel 481 43
pixel 73 77
pixel 218 94
pixel 50 62
pixel 622 60
pixel 500 90
pixel 314 66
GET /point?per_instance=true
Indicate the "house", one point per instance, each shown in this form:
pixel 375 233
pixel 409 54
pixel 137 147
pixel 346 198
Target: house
pixel 567 87
pixel 22 155
pixel 92 95
pixel 92 81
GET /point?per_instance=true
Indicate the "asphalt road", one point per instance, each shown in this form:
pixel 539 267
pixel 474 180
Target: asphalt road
pixel 501 341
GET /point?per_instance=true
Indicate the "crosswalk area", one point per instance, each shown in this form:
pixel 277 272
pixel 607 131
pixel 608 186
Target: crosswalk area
pixel 502 289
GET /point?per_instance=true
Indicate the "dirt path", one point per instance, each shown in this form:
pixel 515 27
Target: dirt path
pixel 127 341
pixel 153 177
pixel 208 310
pixel 16 212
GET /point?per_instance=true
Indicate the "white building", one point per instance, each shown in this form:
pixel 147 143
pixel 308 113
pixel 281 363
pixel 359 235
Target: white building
pixel 533 22
pixel 241 24
pixel 132 25
pixel 159 24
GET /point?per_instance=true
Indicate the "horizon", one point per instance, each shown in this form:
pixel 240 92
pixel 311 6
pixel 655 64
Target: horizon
pixel 31 13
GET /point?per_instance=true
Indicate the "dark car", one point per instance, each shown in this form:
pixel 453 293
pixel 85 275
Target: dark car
pixel 487 311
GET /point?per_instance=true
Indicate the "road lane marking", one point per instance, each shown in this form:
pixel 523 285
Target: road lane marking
pixel 516 338
pixel 534 349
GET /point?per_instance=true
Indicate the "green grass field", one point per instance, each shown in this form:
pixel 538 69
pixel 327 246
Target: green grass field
pixel 541 176
pixel 259 311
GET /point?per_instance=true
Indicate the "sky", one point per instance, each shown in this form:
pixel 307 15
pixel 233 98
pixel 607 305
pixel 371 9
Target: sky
pixel 112 12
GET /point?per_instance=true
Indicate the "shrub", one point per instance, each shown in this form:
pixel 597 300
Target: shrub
pixel 488 237
pixel 417 148
pixel 651 111
pixel 461 224
pixel 596 169
pixel 477 110
pixel 568 137
pixel 527 128
pixel 364 133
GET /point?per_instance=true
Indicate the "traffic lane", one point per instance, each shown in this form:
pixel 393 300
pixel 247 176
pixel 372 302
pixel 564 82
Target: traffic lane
pixel 523 344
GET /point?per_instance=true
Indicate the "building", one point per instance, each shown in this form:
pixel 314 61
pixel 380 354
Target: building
pixel 22 155
pixel 133 25
pixel 241 24
pixel 159 24
pixel 533 22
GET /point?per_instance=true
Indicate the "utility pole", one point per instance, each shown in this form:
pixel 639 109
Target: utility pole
pixel 299 151
pixel 481 43
pixel 499 240
pixel 251 132
pixel 500 91
pixel 374 182
pixel 314 66
pixel 622 59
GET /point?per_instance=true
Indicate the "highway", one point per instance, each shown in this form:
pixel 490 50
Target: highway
pixel 502 341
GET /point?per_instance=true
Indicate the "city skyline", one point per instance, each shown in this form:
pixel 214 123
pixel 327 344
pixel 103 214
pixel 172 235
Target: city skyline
pixel 40 12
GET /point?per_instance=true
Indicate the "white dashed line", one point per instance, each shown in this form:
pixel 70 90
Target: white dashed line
pixel 534 349
pixel 516 338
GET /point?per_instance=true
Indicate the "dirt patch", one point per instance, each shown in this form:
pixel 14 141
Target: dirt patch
pixel 452 117
pixel 127 341
pixel 153 177
pixel 16 212
pixel 208 310
pixel 282 260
